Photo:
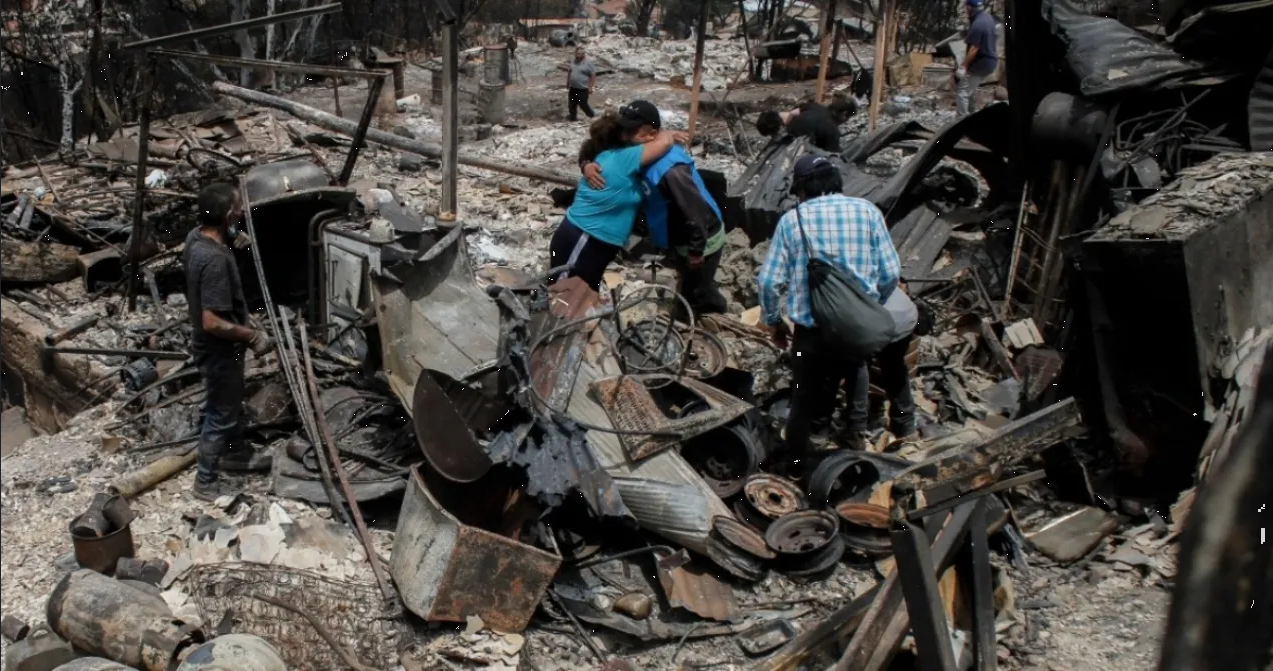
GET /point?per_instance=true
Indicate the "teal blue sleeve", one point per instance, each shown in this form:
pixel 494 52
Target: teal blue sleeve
pixel 628 159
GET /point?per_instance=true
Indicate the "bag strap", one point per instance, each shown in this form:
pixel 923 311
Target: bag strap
pixel 803 236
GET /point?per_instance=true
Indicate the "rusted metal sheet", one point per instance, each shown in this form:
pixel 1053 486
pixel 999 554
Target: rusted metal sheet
pixel 447 571
pixel 663 493
pixel 432 314
pixel 630 406
pixel 695 590
pixel 446 439
pixel 981 464
pixel 108 618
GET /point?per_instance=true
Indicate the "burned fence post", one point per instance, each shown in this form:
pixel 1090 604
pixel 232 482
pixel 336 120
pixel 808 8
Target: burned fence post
pixel 700 37
pixel 139 203
pixel 829 29
pixel 360 136
pixel 450 117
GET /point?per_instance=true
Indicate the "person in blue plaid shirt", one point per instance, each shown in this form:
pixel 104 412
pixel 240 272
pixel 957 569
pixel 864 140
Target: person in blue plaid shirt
pixel 849 233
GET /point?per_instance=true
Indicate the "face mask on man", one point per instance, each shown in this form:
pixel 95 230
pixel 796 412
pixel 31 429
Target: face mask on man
pixel 232 230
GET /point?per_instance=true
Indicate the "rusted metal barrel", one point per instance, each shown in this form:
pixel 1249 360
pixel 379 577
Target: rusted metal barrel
pixel 495 68
pixel 109 619
pixel 491 101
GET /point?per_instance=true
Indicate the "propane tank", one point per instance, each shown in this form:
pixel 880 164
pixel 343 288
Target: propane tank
pixel 107 618
pixel 93 664
pixel 234 652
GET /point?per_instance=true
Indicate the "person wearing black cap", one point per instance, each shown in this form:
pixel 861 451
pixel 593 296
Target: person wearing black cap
pixel 849 233
pixel 681 215
pixel 599 221
pixel 980 61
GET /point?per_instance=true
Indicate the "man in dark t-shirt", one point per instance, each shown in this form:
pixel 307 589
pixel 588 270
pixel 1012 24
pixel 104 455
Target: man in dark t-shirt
pixel 820 123
pixel 220 336
pixel 980 61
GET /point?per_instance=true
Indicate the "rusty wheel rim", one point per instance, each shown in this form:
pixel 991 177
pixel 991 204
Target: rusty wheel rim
pixel 774 496
pixel 803 532
pixel 742 537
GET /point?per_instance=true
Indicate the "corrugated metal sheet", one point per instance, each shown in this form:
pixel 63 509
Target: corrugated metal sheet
pixel 1260 108
pixel 1109 57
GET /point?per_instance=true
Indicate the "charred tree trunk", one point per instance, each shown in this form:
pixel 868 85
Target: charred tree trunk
pixel 239 12
pixel 65 74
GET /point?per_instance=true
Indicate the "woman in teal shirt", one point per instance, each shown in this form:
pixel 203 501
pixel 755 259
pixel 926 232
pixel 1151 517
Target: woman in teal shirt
pixel 598 223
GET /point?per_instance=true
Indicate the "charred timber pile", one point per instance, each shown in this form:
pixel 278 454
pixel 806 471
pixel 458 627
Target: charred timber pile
pixel 52 385
pixel 348 127
pixel 37 261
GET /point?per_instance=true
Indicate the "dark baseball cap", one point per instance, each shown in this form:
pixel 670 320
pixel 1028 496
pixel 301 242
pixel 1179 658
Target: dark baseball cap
pixel 810 164
pixel 639 113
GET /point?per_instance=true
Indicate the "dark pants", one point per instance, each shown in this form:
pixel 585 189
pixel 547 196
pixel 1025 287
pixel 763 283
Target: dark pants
pixel 698 286
pixel 865 412
pixel 579 101
pixel 588 255
pixel 816 372
pixel 223 384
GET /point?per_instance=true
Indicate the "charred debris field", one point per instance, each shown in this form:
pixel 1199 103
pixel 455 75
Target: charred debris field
pixel 455 466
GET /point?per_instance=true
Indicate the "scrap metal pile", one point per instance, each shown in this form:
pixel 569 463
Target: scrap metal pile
pixel 521 458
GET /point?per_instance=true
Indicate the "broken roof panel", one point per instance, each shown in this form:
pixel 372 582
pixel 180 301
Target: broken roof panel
pixel 1107 56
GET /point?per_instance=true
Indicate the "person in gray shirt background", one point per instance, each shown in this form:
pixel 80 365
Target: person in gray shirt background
pixel 581 75
pixel 980 62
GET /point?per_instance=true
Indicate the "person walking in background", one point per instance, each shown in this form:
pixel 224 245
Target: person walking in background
pixel 980 62
pixel 581 76
pixel 847 233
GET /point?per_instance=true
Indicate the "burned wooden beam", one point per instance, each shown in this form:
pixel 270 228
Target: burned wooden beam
pixel 967 469
pixel 337 124
pixel 279 66
pixel 450 119
pixel 360 134
pixel 885 624
pixel 139 203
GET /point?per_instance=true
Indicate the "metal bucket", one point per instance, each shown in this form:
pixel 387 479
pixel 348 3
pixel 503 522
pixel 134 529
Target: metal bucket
pixel 102 553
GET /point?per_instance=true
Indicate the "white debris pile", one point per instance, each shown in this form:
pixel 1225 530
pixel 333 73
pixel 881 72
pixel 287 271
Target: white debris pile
pixel 665 60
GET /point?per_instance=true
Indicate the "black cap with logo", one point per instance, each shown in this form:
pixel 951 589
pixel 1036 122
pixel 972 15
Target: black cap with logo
pixel 639 113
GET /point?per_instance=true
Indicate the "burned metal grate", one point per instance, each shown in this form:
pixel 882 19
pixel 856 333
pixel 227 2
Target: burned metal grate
pixel 351 611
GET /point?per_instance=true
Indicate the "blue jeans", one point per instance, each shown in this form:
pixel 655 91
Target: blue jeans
pixel 223 385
